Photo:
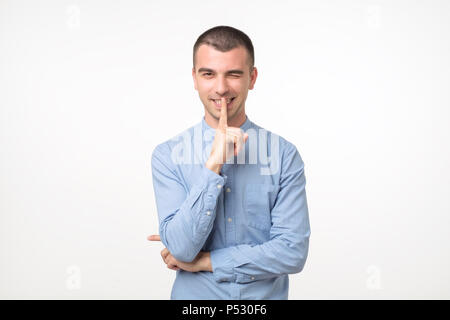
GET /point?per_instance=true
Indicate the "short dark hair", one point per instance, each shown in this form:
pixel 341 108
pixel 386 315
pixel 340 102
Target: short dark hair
pixel 225 38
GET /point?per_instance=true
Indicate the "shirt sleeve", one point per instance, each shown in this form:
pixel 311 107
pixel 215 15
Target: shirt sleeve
pixel 287 249
pixel 186 217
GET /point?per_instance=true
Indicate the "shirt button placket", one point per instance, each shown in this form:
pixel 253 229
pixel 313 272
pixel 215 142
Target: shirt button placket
pixel 230 231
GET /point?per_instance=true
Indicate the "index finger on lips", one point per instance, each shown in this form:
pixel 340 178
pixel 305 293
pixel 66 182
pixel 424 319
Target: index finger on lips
pixel 223 120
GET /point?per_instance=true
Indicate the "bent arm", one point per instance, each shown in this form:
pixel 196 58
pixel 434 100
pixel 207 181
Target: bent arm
pixel 186 217
pixel 287 249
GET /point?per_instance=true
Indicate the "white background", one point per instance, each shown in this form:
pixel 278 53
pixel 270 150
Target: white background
pixel 89 88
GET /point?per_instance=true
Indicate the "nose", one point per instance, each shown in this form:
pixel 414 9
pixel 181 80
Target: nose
pixel 221 86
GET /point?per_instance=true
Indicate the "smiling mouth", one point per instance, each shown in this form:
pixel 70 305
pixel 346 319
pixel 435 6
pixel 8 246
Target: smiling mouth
pixel 218 102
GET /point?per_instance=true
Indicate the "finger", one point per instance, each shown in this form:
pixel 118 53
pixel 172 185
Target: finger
pixel 236 137
pixel 223 120
pixel 237 132
pixel 234 130
pixel 171 267
pixel 239 144
pixel 245 137
pixel 154 237
pixel 167 257
pixel 238 148
pixel 164 253
pixel 171 261
pixel 232 134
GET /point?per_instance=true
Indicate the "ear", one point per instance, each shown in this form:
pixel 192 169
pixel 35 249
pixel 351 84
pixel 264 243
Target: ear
pixel 194 78
pixel 253 77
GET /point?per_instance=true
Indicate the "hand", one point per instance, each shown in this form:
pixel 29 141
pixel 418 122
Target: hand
pixel 201 263
pixel 228 141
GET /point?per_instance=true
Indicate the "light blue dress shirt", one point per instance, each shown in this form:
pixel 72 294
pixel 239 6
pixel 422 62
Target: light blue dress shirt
pixel 252 217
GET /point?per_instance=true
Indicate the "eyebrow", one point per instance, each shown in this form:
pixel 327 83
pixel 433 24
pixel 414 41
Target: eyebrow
pixel 228 72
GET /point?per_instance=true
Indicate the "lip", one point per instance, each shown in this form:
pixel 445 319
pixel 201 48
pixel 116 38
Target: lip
pixel 229 105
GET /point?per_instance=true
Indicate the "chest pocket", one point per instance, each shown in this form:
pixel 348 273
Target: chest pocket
pixel 259 200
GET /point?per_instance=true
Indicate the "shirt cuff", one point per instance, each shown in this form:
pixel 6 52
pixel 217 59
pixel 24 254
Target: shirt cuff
pixel 210 175
pixel 226 263
pixel 222 265
pixel 213 184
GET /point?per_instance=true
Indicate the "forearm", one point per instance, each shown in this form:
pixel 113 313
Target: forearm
pixel 286 250
pixel 205 264
pixel 185 231
pixel 245 263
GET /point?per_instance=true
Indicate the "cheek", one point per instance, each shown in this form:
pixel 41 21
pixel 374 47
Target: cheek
pixel 204 87
pixel 240 87
pixel 241 95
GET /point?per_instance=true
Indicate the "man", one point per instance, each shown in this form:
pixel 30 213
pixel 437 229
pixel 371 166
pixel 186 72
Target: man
pixel 234 220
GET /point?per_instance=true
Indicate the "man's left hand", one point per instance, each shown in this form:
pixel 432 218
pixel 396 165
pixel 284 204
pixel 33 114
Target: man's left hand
pixel 202 261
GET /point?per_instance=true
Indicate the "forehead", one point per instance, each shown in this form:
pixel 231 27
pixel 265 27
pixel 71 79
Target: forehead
pixel 208 57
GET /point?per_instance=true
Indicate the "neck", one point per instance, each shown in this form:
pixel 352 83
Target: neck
pixel 236 121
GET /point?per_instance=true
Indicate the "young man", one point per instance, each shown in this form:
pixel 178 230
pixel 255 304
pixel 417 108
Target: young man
pixel 230 195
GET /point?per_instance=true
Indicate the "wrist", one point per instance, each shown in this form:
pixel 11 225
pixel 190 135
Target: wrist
pixel 206 265
pixel 215 167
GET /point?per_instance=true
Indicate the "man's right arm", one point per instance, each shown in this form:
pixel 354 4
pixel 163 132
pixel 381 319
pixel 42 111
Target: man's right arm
pixel 186 217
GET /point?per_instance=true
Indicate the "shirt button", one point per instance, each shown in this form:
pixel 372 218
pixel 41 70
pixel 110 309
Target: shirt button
pixel 253 278
pixel 228 190
pixel 229 219
pixel 219 186
pixel 208 213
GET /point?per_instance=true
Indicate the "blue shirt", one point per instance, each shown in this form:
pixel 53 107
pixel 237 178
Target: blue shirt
pixel 252 217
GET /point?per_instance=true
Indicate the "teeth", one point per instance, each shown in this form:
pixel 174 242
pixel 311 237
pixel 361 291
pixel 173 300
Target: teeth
pixel 219 102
